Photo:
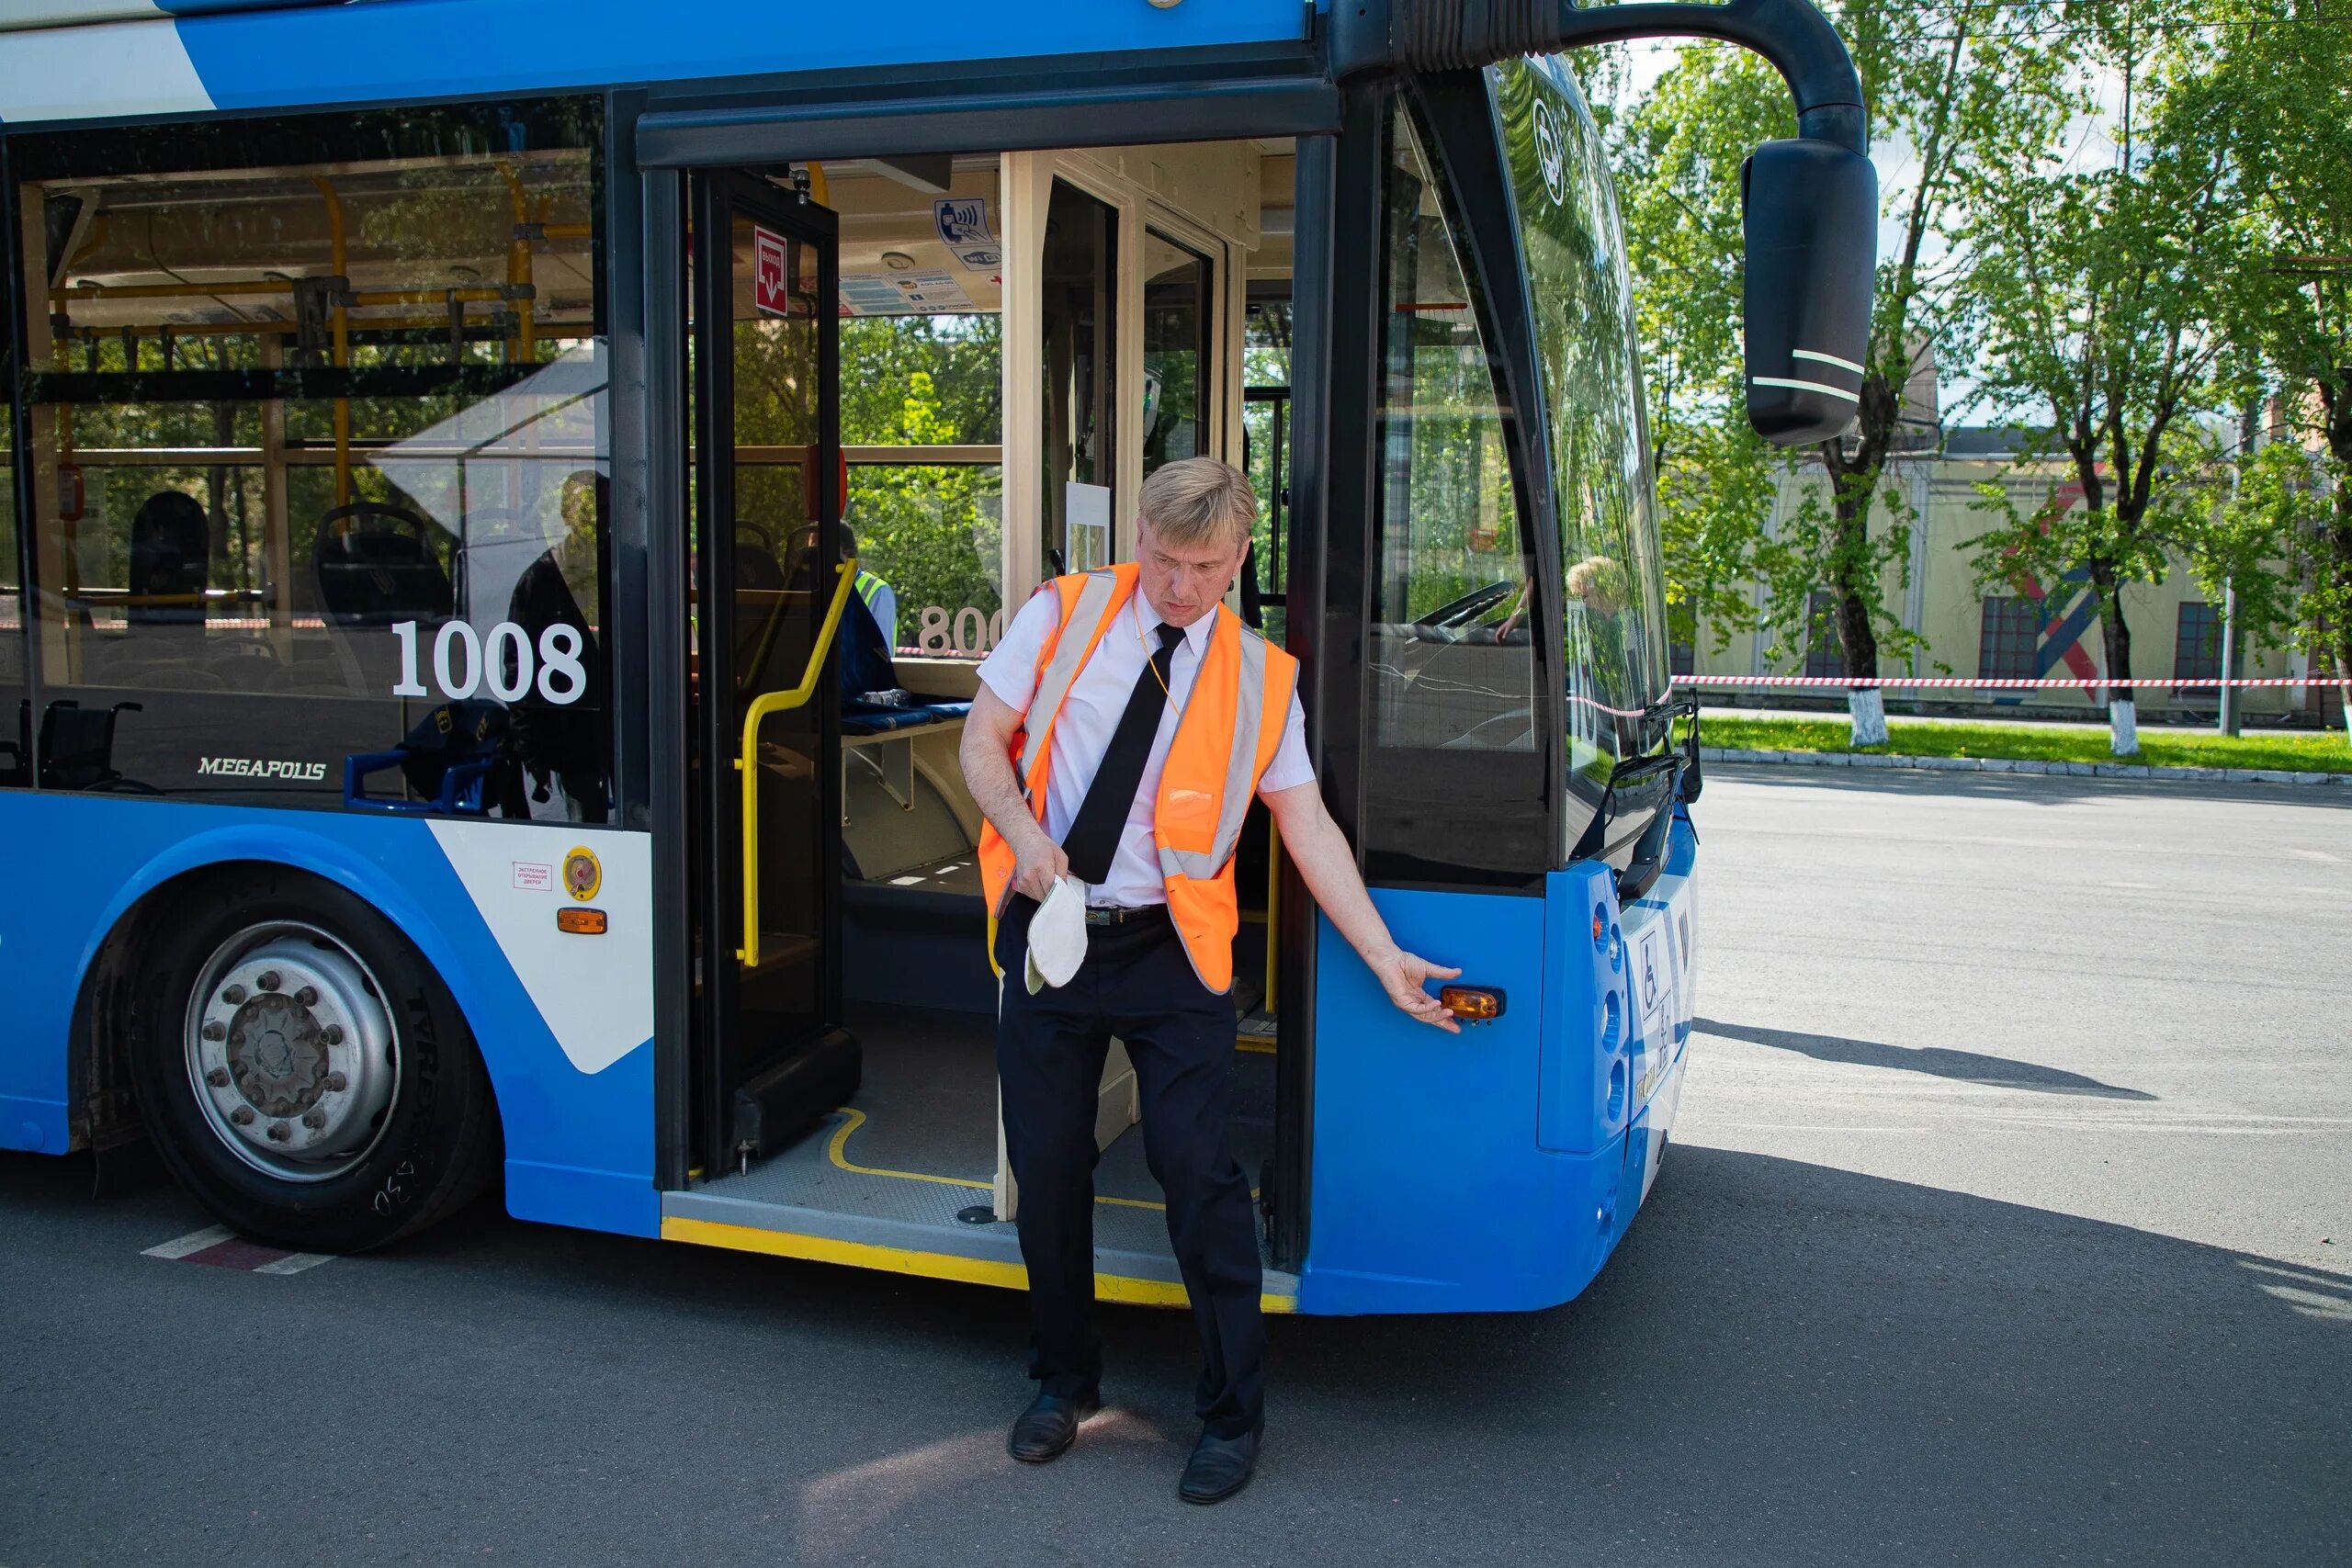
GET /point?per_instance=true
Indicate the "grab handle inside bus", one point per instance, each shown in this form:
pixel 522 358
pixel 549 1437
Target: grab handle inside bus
pixel 747 765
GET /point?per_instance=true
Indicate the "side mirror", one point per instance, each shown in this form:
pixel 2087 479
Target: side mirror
pixel 1811 221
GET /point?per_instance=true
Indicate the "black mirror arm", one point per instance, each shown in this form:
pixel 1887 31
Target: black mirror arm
pixel 1441 35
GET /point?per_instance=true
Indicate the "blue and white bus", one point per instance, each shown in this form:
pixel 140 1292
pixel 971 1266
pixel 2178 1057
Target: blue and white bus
pixel 508 496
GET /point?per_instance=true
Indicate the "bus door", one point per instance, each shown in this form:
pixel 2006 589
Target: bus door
pixel 769 571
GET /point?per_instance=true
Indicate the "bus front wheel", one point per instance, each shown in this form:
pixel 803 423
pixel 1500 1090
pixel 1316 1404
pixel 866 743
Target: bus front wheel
pixel 303 1071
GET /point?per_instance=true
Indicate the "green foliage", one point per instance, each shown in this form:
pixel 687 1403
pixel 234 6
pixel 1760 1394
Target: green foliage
pixel 933 532
pixel 1947 88
pixel 1678 155
pixel 2279 100
pixel 2096 291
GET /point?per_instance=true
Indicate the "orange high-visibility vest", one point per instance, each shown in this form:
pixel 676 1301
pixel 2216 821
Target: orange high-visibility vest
pixel 1231 725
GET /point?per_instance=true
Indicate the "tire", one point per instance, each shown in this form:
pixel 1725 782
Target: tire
pixel 302 1069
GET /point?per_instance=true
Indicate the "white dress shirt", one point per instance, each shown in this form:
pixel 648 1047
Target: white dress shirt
pixel 1090 714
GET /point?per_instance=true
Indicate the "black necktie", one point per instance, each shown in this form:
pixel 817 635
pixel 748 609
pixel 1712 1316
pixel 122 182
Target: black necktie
pixel 1093 836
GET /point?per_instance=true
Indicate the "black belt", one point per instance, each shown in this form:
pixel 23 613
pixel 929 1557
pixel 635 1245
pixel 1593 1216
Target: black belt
pixel 1101 915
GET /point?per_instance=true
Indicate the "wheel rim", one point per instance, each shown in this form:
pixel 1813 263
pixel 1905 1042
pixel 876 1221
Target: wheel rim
pixel 291 1052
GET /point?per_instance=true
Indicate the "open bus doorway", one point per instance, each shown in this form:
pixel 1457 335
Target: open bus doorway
pixel 862 377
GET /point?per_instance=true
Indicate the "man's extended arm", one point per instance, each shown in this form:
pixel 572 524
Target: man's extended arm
pixel 1327 866
pixel 986 755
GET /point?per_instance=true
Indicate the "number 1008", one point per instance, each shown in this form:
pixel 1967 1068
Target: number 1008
pixel 503 663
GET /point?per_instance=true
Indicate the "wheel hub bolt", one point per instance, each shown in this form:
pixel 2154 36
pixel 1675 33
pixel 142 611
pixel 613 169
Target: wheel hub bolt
pixel 332 1034
pixel 337 1083
pixel 279 1132
pixel 243 1116
pixel 266 979
pixel 314 1118
pixel 234 994
pixel 216 1029
pixel 217 1077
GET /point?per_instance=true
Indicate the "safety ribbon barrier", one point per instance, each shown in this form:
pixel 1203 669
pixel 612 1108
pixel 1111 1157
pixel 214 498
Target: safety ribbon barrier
pixel 2000 684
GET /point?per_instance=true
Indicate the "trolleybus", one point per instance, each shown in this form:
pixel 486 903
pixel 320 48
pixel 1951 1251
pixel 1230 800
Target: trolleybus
pixel 454 735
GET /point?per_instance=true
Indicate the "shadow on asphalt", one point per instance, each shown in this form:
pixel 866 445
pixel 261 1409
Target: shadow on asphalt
pixel 1966 1067
pixel 1784 1364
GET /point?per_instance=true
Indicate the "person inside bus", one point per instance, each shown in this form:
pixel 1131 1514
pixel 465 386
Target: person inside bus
pixel 1121 655
pixel 564 744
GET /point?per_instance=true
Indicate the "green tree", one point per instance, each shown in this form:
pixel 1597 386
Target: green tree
pixel 1947 87
pixel 1678 153
pixel 2279 101
pixel 2098 291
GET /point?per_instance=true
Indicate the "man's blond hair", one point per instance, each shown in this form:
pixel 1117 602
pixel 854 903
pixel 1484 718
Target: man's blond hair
pixel 1200 500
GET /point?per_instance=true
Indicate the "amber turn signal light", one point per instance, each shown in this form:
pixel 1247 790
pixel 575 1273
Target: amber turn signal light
pixel 581 922
pixel 1472 1004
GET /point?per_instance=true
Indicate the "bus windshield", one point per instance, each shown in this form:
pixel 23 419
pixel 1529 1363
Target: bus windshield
pixel 1614 638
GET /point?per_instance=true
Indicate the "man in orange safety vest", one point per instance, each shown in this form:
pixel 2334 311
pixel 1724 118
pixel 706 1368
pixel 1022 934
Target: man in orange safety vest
pixel 1120 731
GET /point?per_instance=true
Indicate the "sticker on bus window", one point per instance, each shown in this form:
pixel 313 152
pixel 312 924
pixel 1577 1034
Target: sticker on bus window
pixel 1652 978
pixel 963 224
pixel 771 273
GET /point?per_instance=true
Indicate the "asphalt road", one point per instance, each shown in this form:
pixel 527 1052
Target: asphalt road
pixel 2009 1222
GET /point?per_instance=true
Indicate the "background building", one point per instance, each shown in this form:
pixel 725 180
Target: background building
pixel 1991 631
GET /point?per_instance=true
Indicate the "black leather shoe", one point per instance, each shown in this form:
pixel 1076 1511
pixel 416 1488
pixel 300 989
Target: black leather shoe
pixel 1219 1467
pixel 1047 1428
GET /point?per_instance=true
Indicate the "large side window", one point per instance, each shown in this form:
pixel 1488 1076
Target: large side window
pixel 1081 331
pixel 15 710
pixel 320 476
pixel 922 388
pixel 1454 787
pixel 1613 606
pixel 1179 291
pixel 1265 446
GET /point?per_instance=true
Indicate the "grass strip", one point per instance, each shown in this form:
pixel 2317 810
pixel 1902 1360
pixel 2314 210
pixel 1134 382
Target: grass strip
pixel 2320 751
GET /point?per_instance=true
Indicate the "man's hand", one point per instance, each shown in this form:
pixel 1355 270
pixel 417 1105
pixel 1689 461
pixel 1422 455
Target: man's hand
pixel 1039 862
pixel 1401 975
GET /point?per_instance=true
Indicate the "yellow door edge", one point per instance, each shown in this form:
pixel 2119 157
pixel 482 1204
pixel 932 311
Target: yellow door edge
pixel 1118 1288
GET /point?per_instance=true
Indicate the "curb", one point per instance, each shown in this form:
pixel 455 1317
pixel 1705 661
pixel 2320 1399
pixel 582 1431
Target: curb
pixel 2021 765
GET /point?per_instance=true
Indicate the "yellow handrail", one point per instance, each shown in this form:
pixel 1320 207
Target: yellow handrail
pixel 764 704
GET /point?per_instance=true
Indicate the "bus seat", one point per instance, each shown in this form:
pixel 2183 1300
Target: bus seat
pixel 375 566
pixel 171 561
pixel 872 700
pixel 455 758
pixel 759 602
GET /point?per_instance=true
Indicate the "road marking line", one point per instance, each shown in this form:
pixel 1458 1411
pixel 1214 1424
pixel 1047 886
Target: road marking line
pixel 217 1246
pixel 195 1241
pixel 295 1262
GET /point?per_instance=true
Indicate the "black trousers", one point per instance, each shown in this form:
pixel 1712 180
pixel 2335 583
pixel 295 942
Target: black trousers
pixel 1137 984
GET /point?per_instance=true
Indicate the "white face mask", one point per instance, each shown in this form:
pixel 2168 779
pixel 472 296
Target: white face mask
pixel 1057 936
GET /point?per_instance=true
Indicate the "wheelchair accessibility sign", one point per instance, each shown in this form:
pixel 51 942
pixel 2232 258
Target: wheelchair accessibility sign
pixel 1652 983
pixel 962 222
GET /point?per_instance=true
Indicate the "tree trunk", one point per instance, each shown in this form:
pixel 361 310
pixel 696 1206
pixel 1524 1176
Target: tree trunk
pixel 2335 550
pixel 2338 555
pixel 1857 642
pixel 2115 635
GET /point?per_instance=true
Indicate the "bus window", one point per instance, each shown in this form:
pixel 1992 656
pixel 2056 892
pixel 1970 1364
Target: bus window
pixel 1266 442
pixel 15 710
pixel 921 415
pixel 1614 638
pixel 1179 288
pixel 1080 291
pixel 1456 789
pixel 319 481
